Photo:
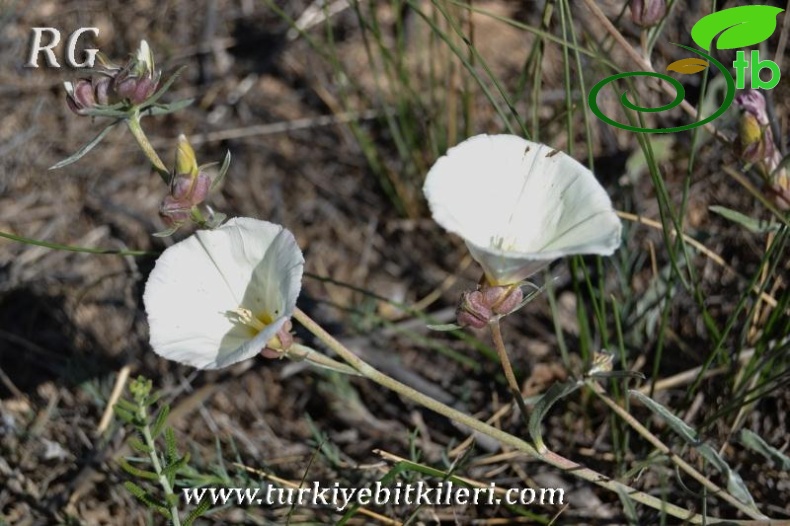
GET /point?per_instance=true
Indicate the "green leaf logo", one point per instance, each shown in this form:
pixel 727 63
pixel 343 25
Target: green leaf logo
pixel 739 27
pixel 688 66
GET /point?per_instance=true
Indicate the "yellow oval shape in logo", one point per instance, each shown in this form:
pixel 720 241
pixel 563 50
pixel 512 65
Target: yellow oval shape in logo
pixel 687 66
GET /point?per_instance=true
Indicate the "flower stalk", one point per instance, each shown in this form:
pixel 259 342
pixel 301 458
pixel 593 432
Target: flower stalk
pixel 170 496
pixel 133 123
pixel 503 437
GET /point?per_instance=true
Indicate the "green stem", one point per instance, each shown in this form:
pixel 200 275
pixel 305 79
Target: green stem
pixel 507 368
pixel 299 352
pixel 168 489
pixel 133 123
pixel 548 457
pixel 73 248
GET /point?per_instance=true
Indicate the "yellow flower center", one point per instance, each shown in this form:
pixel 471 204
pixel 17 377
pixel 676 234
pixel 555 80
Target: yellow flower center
pixel 255 323
pixel 247 318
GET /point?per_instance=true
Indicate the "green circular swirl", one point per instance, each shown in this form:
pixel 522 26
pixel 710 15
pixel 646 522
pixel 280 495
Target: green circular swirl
pixel 680 94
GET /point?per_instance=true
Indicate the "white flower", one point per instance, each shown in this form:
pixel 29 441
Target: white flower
pixel 220 296
pixel 519 205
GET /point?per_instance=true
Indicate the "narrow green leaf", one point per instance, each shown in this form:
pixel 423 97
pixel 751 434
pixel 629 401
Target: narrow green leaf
pixel 161 420
pixel 618 374
pixel 629 510
pixel 171 470
pixel 749 223
pixel 85 149
pixel 678 426
pixel 125 415
pixel 166 86
pixel 201 508
pixel 737 487
pixel 754 442
pixel 108 112
pixel 446 327
pixel 556 392
pixel 164 109
pixel 134 489
pixel 137 472
pixel 171 451
pixel 223 170
pixel 123 403
pixel 152 399
pixel 139 446
pixel 167 232
pixel 735 484
pixel 146 499
pixel 72 248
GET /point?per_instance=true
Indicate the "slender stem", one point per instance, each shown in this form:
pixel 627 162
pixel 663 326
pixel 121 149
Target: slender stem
pixel 299 352
pixel 168 489
pixel 133 123
pixel 499 343
pixel 679 462
pixel 503 437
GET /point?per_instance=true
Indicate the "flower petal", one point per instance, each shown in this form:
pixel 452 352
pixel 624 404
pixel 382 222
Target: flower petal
pixel 519 205
pixel 196 282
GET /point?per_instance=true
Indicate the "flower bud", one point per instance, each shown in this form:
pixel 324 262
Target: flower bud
pixel 755 140
pixel 186 162
pixel 756 146
pixel 185 193
pixel 144 61
pixel 137 80
pixel 80 96
pixel 473 311
pixel 188 188
pixel 135 90
pixel 102 90
pixel 502 300
pixel 647 13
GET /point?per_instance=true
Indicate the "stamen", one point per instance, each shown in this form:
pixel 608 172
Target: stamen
pixel 245 317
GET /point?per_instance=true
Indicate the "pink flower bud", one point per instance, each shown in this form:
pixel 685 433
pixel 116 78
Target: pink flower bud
pixel 647 13
pixel 80 97
pixel 174 212
pixel 502 300
pixel 473 311
pixel 145 87
pixel 102 90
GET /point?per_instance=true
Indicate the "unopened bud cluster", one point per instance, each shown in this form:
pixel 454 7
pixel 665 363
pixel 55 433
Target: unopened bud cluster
pixel 479 307
pixel 133 83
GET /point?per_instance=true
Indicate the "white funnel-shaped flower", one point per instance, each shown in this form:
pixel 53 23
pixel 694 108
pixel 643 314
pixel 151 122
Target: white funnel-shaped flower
pixel 520 205
pixel 221 296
